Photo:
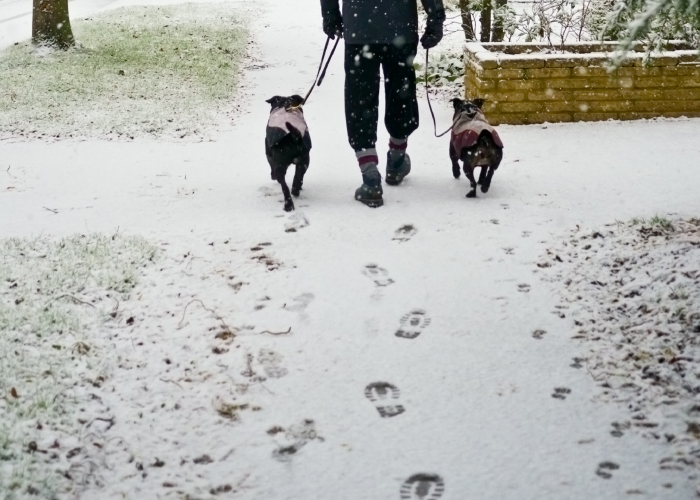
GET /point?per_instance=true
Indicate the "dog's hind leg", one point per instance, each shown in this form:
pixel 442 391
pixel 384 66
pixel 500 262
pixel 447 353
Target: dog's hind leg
pixel 496 161
pixel 301 169
pixel 268 155
pixel 273 175
pixel 469 172
pixel 288 203
pixel 455 164
pixel 482 175
pixel 487 182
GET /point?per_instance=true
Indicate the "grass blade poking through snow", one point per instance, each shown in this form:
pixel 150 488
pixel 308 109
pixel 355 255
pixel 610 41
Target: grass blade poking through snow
pixel 136 71
pixel 54 297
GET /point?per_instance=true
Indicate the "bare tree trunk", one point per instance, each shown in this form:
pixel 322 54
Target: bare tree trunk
pixel 485 21
pixel 497 34
pixel 51 24
pixel 467 25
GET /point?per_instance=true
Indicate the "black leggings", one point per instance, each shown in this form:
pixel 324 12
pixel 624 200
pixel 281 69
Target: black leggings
pixel 362 92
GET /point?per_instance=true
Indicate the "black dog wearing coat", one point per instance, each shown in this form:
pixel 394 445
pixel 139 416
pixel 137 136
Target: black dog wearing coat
pixel 287 141
pixel 476 143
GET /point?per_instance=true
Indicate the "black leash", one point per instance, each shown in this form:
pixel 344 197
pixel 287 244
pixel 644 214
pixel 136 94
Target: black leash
pixel 427 96
pixel 319 79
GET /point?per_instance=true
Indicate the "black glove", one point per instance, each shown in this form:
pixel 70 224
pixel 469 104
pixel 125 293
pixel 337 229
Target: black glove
pixel 433 32
pixel 333 25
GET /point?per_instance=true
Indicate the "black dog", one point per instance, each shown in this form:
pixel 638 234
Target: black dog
pixel 287 141
pixel 475 142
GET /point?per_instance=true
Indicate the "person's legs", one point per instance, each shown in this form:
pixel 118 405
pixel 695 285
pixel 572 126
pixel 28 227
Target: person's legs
pixel 401 115
pixel 361 115
pixel 361 95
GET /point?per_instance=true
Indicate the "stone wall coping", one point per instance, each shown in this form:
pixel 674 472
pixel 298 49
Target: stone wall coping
pixel 573 47
pixel 482 55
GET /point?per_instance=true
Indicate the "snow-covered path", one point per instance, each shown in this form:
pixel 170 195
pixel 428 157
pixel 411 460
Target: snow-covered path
pixel 475 384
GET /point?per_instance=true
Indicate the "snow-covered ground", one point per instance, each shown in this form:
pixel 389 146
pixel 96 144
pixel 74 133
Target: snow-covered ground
pixel 434 294
pixel 633 291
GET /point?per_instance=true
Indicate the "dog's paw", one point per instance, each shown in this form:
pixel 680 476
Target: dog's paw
pixel 288 206
pixel 456 172
pixel 471 194
pixel 296 192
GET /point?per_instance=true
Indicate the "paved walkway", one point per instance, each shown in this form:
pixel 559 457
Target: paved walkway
pixel 411 350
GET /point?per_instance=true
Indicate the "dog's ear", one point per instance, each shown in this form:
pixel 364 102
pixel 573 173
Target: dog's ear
pixel 275 101
pixel 296 100
pixel 457 103
pixel 478 102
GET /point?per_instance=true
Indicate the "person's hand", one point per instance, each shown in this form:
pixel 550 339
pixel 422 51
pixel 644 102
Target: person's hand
pixel 333 26
pixel 433 33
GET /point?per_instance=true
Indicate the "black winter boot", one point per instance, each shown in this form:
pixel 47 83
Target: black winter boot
pixel 397 169
pixel 370 193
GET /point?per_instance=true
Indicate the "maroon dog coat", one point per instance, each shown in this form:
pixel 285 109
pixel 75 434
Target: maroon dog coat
pixel 466 130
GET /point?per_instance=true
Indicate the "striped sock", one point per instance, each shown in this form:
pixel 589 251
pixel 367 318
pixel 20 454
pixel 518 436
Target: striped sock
pixel 397 148
pixel 367 159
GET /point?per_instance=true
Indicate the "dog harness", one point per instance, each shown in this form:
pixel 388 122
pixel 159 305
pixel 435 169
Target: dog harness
pixel 466 130
pixel 285 121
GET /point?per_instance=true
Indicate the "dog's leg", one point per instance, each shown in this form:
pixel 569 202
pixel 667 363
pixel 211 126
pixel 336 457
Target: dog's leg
pixel 487 182
pixel 482 175
pixel 496 161
pixel 272 168
pixel 301 169
pixel 288 203
pixel 455 165
pixel 268 155
pixel 469 172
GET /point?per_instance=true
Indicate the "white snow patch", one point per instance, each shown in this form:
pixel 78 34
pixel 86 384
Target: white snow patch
pixel 56 298
pixel 633 293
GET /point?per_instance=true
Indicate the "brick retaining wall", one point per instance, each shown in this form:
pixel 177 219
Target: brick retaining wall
pixel 523 84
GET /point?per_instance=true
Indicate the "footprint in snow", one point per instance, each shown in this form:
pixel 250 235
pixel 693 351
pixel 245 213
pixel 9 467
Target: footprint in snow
pixel 268 191
pixel 422 487
pixel 577 362
pixel 561 392
pixel 538 334
pixel 385 398
pixel 412 324
pixel 271 363
pixel 618 429
pixel 379 275
pixel 404 233
pixel 260 246
pixel 301 302
pixel 604 469
pixel 296 221
pixel 293 439
pixel 523 287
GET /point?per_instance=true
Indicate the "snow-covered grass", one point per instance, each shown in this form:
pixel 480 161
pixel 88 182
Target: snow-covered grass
pixel 633 293
pixel 154 70
pixel 55 295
